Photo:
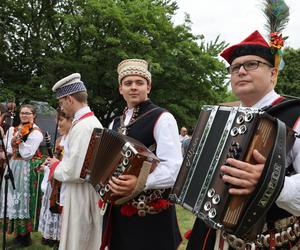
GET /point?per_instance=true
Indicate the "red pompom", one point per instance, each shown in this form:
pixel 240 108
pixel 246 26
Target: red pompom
pixel 128 210
pixel 160 204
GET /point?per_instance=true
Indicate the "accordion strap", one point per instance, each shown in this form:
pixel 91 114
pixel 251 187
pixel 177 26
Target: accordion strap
pixel 271 182
pixel 125 127
pixel 140 185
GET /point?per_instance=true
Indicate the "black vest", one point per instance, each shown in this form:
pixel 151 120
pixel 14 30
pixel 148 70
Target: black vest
pixel 142 129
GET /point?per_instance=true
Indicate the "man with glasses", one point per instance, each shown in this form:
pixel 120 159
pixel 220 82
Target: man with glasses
pixel 253 75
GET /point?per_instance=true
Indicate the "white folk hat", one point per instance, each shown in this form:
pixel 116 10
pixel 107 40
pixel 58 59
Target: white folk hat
pixel 68 86
pixel 134 67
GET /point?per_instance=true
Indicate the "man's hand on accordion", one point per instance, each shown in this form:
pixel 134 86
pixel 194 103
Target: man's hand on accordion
pixel 243 176
pixel 123 185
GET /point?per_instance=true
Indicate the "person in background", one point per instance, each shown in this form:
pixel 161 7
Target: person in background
pixel 186 142
pixel 22 143
pixel 50 221
pixel 182 134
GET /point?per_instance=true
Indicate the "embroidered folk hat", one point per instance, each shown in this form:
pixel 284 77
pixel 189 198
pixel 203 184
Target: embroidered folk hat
pixel 136 67
pixel 68 86
pixel 254 44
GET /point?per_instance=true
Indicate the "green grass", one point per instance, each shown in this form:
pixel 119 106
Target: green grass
pixel 185 220
pixel 36 239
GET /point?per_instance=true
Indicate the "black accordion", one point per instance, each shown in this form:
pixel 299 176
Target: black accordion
pixel 112 154
pixel 231 132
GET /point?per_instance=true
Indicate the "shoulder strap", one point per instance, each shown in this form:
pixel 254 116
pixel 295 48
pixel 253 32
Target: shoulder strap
pixel 288 111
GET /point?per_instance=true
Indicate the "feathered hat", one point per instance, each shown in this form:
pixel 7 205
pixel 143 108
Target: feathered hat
pixel 277 15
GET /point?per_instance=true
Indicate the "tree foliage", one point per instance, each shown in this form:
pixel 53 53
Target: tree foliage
pixel 43 41
pixel 289 77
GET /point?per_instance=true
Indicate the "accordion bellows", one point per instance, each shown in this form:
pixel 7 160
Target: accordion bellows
pixel 112 154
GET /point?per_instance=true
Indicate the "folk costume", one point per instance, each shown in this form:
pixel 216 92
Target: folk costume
pixel 50 223
pixel 22 203
pixel 81 218
pixel 153 226
pixel 281 227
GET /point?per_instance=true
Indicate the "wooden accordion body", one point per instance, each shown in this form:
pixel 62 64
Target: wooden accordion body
pixel 112 154
pixel 221 133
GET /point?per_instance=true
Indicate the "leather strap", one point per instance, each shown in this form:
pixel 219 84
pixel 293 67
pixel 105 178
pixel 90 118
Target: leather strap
pixel 271 183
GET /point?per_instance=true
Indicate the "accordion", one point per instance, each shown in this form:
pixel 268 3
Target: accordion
pixel 112 154
pixel 231 132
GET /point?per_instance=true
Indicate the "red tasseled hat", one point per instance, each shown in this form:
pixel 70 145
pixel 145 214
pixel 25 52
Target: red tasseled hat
pixel 254 44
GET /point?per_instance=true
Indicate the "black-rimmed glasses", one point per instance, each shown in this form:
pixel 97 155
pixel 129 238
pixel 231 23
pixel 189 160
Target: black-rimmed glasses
pixel 26 113
pixel 249 65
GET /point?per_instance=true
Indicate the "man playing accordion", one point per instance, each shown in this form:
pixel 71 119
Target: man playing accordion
pixel 253 73
pixel 149 220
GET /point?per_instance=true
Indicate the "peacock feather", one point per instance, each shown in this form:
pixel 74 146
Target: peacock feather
pixel 277 15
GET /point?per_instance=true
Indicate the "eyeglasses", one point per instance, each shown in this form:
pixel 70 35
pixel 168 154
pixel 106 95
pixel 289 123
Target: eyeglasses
pixel 26 113
pixel 249 65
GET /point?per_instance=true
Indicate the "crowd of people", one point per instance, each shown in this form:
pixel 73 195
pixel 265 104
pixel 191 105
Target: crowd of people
pixel 71 216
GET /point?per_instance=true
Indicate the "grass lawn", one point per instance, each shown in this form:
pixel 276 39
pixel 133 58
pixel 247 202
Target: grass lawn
pixel 185 220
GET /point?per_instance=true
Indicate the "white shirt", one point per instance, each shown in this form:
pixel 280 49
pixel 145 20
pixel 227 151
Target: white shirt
pixel 168 151
pixel 289 198
pixel 183 137
pixel 84 110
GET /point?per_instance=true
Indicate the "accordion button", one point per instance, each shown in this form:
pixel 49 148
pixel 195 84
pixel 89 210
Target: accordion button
pixel 207 206
pixel 234 131
pixel 211 192
pixel 248 117
pixel 125 162
pixel 212 213
pixel 240 119
pixel 216 199
pixel 106 188
pixel 230 155
pixel 242 129
pixel 102 192
pixel 235 154
pixel 128 153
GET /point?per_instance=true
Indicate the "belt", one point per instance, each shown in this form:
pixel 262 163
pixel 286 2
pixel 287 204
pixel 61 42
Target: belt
pixel 148 202
pixel 286 230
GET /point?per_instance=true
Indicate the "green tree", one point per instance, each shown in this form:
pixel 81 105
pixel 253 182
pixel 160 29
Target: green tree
pixel 289 77
pixel 46 40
